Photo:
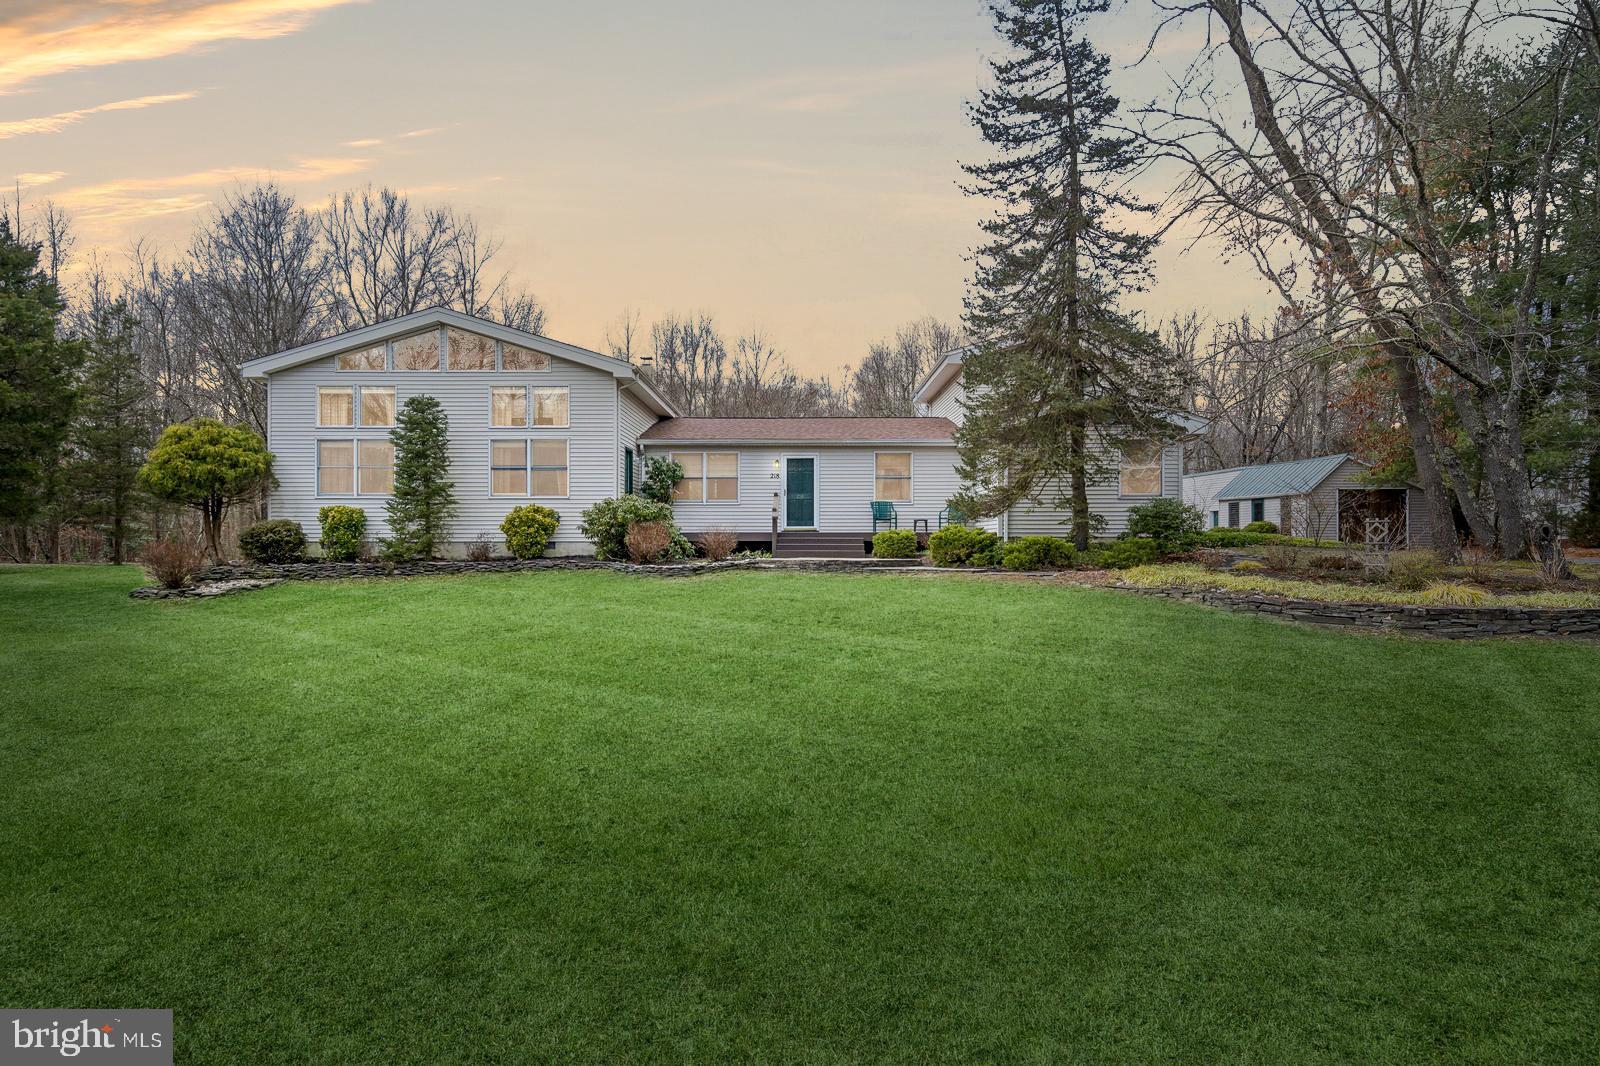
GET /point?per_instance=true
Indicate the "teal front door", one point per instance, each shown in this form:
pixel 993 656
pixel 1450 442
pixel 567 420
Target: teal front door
pixel 800 493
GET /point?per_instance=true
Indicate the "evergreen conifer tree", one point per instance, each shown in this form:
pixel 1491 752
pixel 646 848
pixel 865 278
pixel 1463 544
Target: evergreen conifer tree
pixel 1059 377
pixel 112 431
pixel 424 497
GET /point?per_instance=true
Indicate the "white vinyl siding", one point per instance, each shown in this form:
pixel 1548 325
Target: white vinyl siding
pixel 846 479
pixel 948 403
pixel 1106 499
pixel 591 442
pixel 635 419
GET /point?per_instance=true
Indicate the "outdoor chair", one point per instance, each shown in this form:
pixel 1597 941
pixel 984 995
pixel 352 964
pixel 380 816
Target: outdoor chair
pixel 883 512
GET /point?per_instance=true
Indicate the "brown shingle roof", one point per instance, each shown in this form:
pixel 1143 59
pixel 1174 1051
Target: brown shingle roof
pixel 783 430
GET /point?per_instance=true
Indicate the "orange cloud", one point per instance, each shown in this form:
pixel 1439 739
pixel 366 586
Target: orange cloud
pixel 39 38
pixel 132 199
pixel 62 119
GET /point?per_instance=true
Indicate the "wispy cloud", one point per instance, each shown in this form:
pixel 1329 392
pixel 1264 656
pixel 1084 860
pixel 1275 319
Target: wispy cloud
pixel 365 142
pixel 131 199
pixel 830 90
pixel 62 119
pixel 39 38
pixel 33 179
pixel 429 132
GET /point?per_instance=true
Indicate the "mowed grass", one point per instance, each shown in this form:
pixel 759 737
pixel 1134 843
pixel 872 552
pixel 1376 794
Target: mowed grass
pixel 584 816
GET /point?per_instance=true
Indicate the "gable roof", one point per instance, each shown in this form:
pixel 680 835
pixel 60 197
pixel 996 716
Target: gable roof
pixel 818 430
pixel 1294 478
pixel 365 336
pixel 943 372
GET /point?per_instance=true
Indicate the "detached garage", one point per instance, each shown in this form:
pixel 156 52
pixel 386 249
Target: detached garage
pixel 1331 497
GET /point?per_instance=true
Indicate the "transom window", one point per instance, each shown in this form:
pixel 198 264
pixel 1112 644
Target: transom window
pixel 337 405
pixel 355 468
pixel 1141 469
pixel 418 352
pixel 892 477
pixel 509 406
pixel 707 477
pixel 446 348
pixel 528 468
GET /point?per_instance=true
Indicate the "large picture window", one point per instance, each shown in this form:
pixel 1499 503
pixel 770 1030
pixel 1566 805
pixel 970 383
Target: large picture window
pixel 892 477
pixel 469 351
pixel 355 468
pixel 508 406
pixel 707 476
pixel 1140 471
pixel 513 357
pixel 528 468
pixel 336 406
pixel 374 358
pixel 377 405
pixel 417 352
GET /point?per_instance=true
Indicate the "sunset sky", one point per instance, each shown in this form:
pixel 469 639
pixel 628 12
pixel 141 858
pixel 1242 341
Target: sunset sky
pixel 788 167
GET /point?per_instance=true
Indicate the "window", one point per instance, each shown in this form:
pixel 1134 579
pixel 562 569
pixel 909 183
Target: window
pixel 508 406
pixel 508 467
pixel 336 406
pixel 377 405
pixel 470 351
pixel 336 467
pixel 1213 520
pixel 515 358
pixel 355 468
pixel 707 477
pixel 893 477
pixel 549 467
pixel 722 475
pixel 1233 515
pixel 1141 469
pixel 1258 510
pixel 692 489
pixel 418 352
pixel 376 470
pixel 528 467
pixel 550 407
pixel 375 358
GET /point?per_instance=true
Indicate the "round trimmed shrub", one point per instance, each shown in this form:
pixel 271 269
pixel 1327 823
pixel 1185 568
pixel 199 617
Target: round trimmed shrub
pixel 894 544
pixel 343 531
pixel 964 546
pixel 528 529
pixel 1171 523
pixel 606 526
pixel 1261 527
pixel 275 541
pixel 1038 553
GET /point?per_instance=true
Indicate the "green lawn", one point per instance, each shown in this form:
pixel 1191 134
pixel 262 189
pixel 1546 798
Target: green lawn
pixel 790 817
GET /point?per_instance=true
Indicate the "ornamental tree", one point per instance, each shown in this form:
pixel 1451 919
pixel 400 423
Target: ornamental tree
pixel 424 496
pixel 208 466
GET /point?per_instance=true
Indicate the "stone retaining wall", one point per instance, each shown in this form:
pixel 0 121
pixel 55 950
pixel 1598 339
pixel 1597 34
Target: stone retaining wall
pixel 1426 621
pixel 320 571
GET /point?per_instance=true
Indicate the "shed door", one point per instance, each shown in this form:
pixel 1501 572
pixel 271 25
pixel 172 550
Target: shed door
pixel 800 492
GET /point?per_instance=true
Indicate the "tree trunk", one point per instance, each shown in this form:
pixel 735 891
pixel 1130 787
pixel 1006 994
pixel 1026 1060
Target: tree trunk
pixel 1080 486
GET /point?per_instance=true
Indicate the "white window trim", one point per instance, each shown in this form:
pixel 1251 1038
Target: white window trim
pixel 439 339
pixel 528 409
pixel 444 356
pixel 911 473
pixel 1161 475
pixel 355 470
pixel 705 474
pixel 528 467
pixel 356 421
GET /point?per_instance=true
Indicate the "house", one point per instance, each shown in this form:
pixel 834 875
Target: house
pixel 1330 497
pixel 536 420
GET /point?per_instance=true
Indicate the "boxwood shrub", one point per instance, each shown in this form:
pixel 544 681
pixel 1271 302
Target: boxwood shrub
pixel 1261 527
pixel 276 541
pixel 1038 553
pixel 1126 554
pixel 1238 538
pixel 528 529
pixel 343 531
pixel 894 544
pixel 964 546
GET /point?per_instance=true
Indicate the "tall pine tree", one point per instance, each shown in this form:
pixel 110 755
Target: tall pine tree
pixel 424 500
pixel 113 429
pixel 36 380
pixel 1059 377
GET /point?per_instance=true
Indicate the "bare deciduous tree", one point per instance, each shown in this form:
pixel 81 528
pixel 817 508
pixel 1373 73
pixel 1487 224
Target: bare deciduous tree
pixel 887 377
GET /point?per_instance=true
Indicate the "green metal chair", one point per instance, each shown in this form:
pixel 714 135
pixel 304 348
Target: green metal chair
pixel 951 517
pixel 883 511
